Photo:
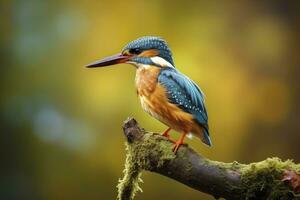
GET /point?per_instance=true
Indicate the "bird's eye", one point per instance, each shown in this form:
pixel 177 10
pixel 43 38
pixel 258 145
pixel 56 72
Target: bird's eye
pixel 135 51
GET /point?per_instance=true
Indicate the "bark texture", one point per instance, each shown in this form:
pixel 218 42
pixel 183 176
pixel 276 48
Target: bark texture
pixel 152 152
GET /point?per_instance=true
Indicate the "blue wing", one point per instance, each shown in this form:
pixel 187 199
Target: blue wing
pixel 183 92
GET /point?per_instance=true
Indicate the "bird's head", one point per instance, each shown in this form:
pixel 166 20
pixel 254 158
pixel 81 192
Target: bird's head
pixel 146 50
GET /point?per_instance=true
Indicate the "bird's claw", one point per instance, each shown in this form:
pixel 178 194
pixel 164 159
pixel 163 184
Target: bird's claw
pixel 177 144
pixel 176 147
pixel 166 134
pixel 171 140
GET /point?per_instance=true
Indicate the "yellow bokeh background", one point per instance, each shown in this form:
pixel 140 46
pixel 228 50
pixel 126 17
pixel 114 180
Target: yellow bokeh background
pixel 61 135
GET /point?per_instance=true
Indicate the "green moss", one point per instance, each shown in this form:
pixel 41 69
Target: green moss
pixel 224 169
pixel 129 185
pixel 262 180
pixel 139 154
pixel 225 166
pixel 152 149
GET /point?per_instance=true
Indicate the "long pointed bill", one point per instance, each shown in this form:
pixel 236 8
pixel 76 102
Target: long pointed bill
pixel 112 60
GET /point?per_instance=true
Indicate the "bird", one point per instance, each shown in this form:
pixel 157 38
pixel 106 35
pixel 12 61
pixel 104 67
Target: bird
pixel 164 92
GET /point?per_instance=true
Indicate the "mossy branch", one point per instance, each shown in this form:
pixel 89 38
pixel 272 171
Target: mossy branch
pixel 152 152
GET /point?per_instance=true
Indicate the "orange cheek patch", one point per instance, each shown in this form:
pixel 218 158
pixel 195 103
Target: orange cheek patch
pixel 149 53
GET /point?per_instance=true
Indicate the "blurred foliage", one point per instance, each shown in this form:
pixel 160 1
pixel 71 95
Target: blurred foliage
pixel 61 134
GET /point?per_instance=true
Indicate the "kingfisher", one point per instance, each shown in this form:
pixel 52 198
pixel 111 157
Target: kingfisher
pixel 164 92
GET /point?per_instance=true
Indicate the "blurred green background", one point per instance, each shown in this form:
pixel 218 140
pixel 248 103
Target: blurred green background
pixel 61 135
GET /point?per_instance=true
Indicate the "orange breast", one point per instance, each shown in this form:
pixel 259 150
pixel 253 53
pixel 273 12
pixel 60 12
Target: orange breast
pixel 154 101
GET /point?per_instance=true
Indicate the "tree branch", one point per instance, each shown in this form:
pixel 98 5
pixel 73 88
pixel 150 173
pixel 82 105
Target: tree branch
pixel 267 179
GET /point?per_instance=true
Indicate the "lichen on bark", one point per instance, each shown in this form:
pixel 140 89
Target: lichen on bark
pixel 138 158
pixel 129 185
pixel 263 180
pixel 152 152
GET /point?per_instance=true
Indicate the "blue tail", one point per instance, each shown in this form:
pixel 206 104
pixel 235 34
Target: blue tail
pixel 206 139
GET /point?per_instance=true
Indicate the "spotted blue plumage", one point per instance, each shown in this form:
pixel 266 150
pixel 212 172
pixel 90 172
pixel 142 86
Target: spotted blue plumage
pixel 183 92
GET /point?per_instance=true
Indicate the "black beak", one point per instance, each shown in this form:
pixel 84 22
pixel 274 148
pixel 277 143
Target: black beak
pixel 111 60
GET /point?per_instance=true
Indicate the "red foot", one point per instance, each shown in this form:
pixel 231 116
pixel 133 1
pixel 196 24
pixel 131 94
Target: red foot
pixel 166 134
pixel 178 143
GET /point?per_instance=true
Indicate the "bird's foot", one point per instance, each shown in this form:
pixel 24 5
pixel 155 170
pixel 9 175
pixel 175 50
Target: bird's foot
pixel 176 146
pixel 166 134
pixel 172 140
pixel 178 143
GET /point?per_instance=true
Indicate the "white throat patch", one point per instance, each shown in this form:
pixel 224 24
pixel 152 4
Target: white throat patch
pixel 160 61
